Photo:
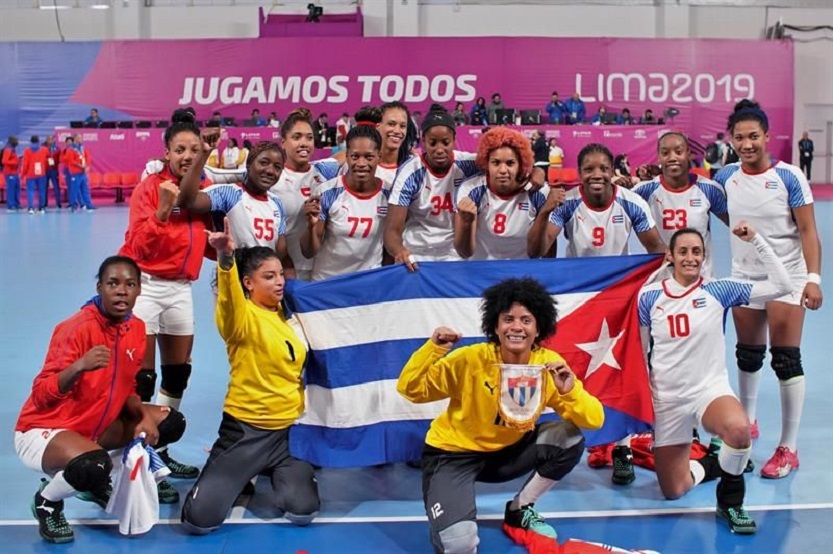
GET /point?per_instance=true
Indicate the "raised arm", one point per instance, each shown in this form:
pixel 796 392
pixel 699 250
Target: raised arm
pixel 190 196
pixel 314 231
pixel 465 227
pixel 428 375
pixel 543 232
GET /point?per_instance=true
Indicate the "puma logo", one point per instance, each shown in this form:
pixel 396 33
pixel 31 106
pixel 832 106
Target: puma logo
pixel 490 387
pixel 46 508
pixel 130 352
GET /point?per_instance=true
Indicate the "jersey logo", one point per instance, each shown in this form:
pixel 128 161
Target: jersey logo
pixel 248 208
pixel 771 185
pixel 618 218
pixel 699 302
pixel 522 389
pixel 658 200
pixel 381 211
pixel 306 191
pixel 523 206
pixel 490 387
pixel 695 202
pixel 660 309
pixel 317 179
pixel 130 352
pixel 580 217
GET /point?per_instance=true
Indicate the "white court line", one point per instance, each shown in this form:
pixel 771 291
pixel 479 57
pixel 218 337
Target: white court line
pixel 406 519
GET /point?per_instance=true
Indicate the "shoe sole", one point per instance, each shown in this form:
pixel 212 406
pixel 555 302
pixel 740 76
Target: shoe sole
pixel 735 530
pixel 193 475
pixel 619 481
pixel 53 540
pixel 169 500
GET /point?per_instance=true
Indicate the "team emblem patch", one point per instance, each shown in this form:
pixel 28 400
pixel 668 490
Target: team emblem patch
pixel 771 185
pixel 521 395
pixel 618 218
pixel 699 302
pixel 695 202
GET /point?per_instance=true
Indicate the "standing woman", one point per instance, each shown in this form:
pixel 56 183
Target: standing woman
pixel 299 180
pixel 168 243
pixel 266 352
pixel 679 199
pixel 776 198
pixel 494 212
pixel 397 138
pixel 344 226
pixel 681 320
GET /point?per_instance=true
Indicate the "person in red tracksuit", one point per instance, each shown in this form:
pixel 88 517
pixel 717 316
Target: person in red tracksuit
pixel 35 164
pixel 11 168
pixel 168 242
pixel 52 170
pixel 83 401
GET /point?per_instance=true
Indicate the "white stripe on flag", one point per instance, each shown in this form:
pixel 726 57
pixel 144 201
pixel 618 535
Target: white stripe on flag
pixel 405 319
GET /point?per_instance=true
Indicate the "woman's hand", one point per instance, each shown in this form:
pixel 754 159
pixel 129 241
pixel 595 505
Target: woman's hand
pixel 445 337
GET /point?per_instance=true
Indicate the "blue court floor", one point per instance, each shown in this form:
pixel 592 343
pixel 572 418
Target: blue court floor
pixel 48 267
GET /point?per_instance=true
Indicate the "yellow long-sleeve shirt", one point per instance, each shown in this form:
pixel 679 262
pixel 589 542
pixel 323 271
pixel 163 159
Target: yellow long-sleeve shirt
pixel 470 378
pixel 266 356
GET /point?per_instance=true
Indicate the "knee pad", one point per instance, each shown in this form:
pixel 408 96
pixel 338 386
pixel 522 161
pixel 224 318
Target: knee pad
pixel 301 520
pixel 175 379
pixel 171 428
pixel 89 472
pixel 460 538
pixel 750 357
pixel 786 361
pixel 146 384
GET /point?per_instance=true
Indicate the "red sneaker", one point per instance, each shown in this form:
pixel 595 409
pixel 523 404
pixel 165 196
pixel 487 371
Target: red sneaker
pixel 753 430
pixel 782 463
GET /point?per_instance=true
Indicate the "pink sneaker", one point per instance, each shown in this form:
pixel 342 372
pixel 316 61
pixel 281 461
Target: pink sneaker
pixel 782 463
pixel 753 430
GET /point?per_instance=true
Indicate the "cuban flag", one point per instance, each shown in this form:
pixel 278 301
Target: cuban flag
pixel 363 328
pixel 523 206
pixel 695 202
pixel 699 302
pixel 618 218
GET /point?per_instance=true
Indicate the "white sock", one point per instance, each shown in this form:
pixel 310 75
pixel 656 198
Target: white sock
pixel 534 489
pixel 698 472
pixel 748 384
pixel 733 460
pixel 163 399
pixel 58 489
pixel 624 442
pixel 792 404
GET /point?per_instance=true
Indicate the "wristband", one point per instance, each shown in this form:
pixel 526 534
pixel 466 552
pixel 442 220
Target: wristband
pixel 814 278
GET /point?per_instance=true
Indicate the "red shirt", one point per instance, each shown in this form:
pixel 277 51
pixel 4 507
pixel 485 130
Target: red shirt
pixel 169 250
pixel 98 396
pixel 11 162
pixel 74 161
pixel 35 162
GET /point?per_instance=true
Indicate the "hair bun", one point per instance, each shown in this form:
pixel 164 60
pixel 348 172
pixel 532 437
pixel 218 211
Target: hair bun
pixel 437 108
pixel 300 113
pixel 184 115
pixel 745 104
pixel 368 114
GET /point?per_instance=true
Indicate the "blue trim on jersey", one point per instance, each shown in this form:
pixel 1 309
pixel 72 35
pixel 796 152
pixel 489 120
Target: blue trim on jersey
pixel 796 194
pixel 722 176
pixel 468 167
pixel 636 214
pixel 538 199
pixel 328 199
pixel 224 197
pixel 715 195
pixel 281 212
pixel 564 213
pixel 328 169
pixel 476 194
pixel 729 292
pixel 647 189
pixel 411 187
pixel 647 301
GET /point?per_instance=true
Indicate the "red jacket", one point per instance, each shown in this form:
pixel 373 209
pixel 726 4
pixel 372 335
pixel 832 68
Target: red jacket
pixel 35 162
pixel 170 250
pixel 11 162
pixel 98 396
pixel 74 161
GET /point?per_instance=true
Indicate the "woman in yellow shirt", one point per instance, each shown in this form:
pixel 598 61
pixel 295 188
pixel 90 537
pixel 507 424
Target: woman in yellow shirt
pixel 266 351
pixel 488 433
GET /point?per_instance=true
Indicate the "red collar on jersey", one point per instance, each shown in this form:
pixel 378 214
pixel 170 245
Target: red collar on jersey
pixel 685 293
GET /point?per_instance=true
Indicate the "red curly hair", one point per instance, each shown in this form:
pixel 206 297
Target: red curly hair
pixel 499 137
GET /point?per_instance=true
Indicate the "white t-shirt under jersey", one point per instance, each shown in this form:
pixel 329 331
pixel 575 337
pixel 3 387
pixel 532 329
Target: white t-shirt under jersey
pixel 429 229
pixel 602 232
pixel 503 223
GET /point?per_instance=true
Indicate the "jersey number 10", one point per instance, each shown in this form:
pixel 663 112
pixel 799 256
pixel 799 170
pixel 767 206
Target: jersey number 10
pixel 678 326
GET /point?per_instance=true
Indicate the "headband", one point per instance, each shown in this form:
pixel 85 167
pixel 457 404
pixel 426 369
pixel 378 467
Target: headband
pixel 438 118
pixel 757 112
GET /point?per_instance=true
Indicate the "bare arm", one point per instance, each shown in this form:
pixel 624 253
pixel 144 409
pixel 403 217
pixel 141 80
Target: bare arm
pixel 652 242
pixel 465 227
pixel 394 227
pixel 805 218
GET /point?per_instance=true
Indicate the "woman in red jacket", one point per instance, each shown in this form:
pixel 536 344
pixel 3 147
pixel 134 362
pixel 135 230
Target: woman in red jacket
pixel 168 242
pixel 83 402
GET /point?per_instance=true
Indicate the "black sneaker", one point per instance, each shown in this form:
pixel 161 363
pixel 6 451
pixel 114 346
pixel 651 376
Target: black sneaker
pixel 711 466
pixel 738 520
pixel 623 473
pixel 528 520
pixel 167 493
pixel 52 525
pixel 178 470
pixel 100 498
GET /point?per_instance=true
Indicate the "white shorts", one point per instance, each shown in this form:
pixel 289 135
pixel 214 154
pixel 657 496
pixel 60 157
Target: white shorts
pixel 793 298
pixel 31 445
pixel 674 421
pixel 166 307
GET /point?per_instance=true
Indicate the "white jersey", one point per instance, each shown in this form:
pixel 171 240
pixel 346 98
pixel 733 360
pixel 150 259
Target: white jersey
pixel 602 232
pixel 135 500
pixel 293 189
pixel 353 236
pixel 766 200
pixel 685 208
pixel 503 223
pixel 254 220
pixel 429 229
pixel 387 173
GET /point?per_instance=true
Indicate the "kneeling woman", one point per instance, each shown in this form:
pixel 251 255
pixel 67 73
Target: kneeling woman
pixel 83 402
pixel 476 438
pixel 682 322
pixel 265 394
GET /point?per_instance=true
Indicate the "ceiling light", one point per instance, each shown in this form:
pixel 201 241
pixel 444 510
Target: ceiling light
pixel 100 6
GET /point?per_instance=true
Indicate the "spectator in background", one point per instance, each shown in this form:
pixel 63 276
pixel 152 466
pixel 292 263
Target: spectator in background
pixel 497 104
pixel 11 166
pixel 54 158
pixel 540 150
pixel 622 172
pixel 479 114
pixel 625 118
pixel 805 150
pixel 556 154
pixel 575 111
pixel 256 120
pixel 321 132
pixel 648 118
pixel 215 121
pixel 63 157
pixel 94 120
pixel 231 155
pixel 555 110
pixel 339 147
pixel 599 118
pixel 716 153
pixel 273 122
pixel 459 115
pixel 35 160
pixel 244 153
pixel 343 126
